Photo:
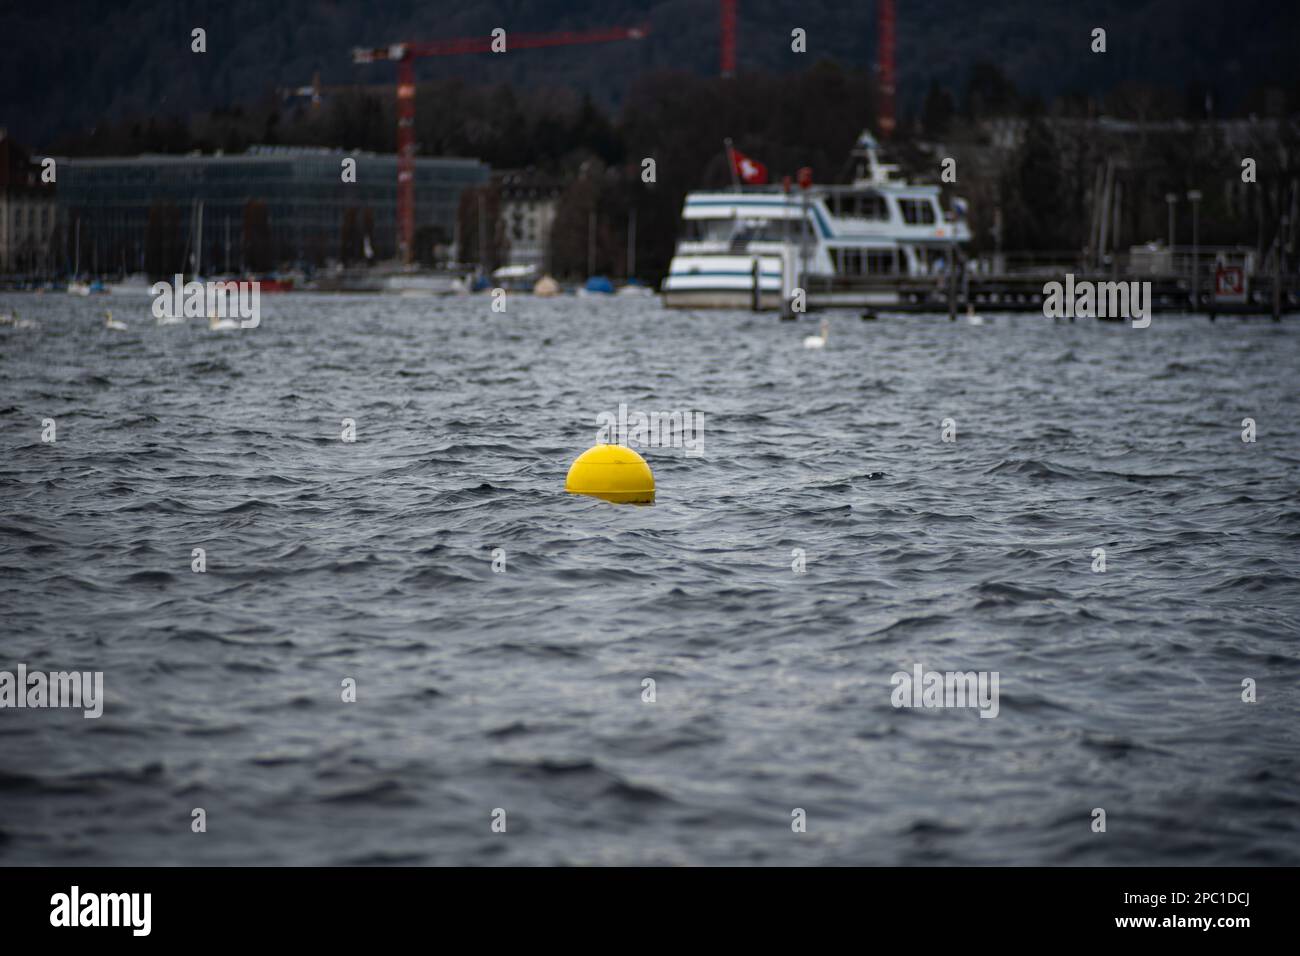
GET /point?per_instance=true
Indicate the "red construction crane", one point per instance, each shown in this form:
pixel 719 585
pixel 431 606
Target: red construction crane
pixel 405 54
pixel 728 26
pixel 885 62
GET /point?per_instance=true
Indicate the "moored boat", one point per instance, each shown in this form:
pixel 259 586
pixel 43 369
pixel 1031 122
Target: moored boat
pixel 750 246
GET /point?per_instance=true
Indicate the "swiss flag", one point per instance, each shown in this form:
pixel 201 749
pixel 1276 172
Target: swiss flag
pixel 750 171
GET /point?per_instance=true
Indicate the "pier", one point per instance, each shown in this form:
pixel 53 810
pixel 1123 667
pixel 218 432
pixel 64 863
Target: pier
pixel 1018 285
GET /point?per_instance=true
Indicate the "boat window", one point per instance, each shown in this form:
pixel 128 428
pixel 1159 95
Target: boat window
pixel 703 230
pixel 861 262
pixel 863 205
pixel 771 230
pixel 870 206
pixel 743 230
pixel 916 211
pixel 882 261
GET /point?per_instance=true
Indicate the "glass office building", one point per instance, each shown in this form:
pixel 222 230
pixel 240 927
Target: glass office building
pixel 267 208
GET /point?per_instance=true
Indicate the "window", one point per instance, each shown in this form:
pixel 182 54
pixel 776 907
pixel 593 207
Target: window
pixel 863 205
pixel 864 262
pixel 693 230
pixel 882 262
pixel 916 211
pixel 773 230
pixel 870 206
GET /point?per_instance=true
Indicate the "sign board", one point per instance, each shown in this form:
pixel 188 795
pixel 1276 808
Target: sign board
pixel 1230 284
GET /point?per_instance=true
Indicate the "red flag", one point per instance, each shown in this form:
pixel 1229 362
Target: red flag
pixel 750 171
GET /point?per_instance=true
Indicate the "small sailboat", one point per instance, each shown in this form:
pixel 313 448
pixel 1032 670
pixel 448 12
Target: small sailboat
pixel 76 286
pixel 137 283
pixel 633 287
pixel 517 278
pixel 818 341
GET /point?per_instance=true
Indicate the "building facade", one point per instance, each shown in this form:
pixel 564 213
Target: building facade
pixel 28 217
pixel 268 208
pixel 528 206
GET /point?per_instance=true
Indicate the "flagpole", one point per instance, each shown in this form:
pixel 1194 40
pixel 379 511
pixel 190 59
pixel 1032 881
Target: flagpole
pixel 731 163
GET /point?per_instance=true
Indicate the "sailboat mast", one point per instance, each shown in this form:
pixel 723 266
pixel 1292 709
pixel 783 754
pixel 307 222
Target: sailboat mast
pixel 198 243
pixel 631 245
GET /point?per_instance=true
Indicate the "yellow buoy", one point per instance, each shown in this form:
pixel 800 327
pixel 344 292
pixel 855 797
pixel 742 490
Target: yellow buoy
pixel 612 472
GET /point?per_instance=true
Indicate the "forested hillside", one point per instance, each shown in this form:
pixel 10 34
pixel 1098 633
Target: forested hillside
pixel 68 65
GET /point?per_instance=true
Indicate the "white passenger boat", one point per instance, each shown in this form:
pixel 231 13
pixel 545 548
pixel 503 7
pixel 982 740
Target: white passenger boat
pixel 832 240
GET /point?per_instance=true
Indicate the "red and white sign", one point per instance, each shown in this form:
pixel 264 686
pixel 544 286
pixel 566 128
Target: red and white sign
pixel 1230 284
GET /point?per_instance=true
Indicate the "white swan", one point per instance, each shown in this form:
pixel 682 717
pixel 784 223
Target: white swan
pixel 818 341
pixel 220 325
pixel 11 318
pixel 117 325
pixel 971 317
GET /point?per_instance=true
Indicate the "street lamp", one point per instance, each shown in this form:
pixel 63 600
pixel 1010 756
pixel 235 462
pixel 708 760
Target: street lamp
pixel 1195 196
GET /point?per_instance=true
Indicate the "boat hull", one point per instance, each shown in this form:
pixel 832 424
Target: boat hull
pixel 719 299
pixel 722 282
pixel 727 282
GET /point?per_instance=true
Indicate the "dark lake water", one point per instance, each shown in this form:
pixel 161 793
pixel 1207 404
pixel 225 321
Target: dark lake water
pixel 523 690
